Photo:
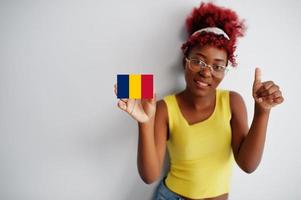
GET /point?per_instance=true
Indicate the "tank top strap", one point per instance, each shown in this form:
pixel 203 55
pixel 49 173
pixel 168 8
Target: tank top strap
pixel 172 110
pixel 223 106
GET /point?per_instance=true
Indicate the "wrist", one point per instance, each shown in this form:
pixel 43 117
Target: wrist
pixel 260 110
pixel 146 122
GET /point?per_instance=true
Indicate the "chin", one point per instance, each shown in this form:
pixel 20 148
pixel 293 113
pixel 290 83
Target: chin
pixel 200 92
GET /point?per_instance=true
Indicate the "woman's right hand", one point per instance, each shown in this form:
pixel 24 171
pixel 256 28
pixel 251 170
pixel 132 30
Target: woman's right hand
pixel 141 110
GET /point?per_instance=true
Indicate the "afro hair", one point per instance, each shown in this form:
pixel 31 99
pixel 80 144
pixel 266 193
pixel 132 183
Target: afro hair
pixel 211 15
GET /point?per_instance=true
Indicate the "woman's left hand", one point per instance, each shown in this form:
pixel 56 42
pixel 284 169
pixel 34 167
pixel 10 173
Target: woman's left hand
pixel 266 94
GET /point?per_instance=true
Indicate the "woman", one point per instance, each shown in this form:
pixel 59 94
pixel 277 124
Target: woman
pixel 205 129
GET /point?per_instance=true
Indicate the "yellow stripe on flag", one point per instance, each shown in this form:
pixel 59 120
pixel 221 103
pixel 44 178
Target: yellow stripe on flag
pixel 135 86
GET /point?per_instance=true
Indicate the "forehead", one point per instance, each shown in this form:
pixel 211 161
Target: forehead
pixel 209 52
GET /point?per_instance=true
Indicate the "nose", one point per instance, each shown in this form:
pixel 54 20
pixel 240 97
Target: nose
pixel 205 72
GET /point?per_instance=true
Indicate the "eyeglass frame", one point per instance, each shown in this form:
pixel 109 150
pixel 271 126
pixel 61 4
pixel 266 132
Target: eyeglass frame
pixel 225 67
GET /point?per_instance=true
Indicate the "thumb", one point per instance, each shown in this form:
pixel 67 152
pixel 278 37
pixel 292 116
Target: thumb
pixel 153 100
pixel 257 78
pixel 257 84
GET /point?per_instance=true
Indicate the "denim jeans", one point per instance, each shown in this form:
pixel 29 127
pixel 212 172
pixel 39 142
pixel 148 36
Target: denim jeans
pixel 163 193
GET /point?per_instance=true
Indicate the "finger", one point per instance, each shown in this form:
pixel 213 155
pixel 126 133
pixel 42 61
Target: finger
pixel 279 100
pixel 154 97
pixel 115 89
pixel 273 97
pixel 275 101
pixel 271 90
pixel 268 99
pixel 124 100
pixel 133 106
pixel 276 94
pixel 257 78
pixel 265 86
pixel 122 105
pixel 259 99
pixel 153 100
pixel 150 99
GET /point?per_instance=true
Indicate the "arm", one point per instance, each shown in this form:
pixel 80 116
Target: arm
pixel 152 144
pixel 152 121
pixel 248 144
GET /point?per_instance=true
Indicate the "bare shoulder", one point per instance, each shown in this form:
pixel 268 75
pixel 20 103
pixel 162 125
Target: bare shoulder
pixel 236 101
pixel 235 96
pixel 161 120
pixel 161 111
pixel 161 104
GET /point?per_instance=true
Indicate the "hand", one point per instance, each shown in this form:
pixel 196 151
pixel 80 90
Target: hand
pixel 141 110
pixel 266 94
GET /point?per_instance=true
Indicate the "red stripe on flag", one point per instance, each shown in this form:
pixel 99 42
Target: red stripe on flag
pixel 147 86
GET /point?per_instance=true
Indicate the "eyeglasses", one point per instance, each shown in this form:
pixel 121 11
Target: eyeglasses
pixel 196 65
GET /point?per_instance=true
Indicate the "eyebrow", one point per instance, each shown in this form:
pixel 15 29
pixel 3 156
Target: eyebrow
pixel 215 59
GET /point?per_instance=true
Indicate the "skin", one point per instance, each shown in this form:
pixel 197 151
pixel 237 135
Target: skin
pixel 197 105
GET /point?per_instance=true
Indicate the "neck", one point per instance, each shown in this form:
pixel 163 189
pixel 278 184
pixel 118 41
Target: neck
pixel 198 102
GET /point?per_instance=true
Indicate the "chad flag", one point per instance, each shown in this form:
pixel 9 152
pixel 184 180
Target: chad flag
pixel 135 86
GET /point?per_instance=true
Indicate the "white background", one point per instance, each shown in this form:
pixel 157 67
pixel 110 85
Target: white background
pixel 61 134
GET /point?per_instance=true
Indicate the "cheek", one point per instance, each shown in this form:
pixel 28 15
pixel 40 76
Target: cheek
pixel 188 76
pixel 189 79
pixel 216 81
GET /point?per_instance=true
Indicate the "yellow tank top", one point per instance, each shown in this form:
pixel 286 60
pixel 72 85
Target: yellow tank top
pixel 201 156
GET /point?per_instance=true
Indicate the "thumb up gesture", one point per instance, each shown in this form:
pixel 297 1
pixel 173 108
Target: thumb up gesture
pixel 266 94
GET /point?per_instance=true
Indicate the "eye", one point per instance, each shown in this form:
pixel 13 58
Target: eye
pixel 194 61
pixel 198 62
pixel 218 67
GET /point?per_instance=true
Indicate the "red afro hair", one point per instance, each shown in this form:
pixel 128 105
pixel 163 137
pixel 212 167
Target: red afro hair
pixel 210 15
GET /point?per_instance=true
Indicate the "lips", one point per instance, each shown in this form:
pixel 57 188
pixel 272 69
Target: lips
pixel 202 84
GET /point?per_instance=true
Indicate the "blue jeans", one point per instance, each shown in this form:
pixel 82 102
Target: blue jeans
pixel 163 193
